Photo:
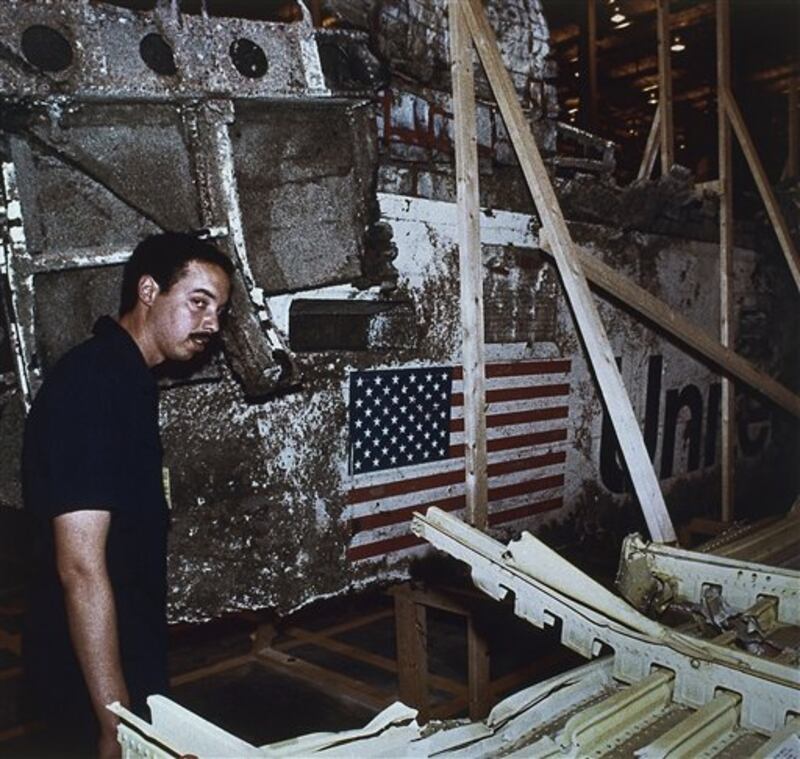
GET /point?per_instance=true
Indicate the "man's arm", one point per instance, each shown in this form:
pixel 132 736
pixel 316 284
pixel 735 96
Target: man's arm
pixel 80 544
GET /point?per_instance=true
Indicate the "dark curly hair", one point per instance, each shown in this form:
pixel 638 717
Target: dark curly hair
pixel 165 257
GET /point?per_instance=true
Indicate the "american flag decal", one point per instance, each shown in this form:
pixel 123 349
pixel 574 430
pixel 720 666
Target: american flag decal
pixel 526 423
pixel 399 417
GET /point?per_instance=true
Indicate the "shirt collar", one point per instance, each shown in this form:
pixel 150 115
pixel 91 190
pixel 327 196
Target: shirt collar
pixel 120 341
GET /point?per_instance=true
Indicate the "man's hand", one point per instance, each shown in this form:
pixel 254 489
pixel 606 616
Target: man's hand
pixel 80 544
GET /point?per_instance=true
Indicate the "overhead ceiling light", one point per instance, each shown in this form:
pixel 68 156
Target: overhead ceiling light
pixel 618 16
pixel 650 87
pixel 653 99
pixel 677 46
pixel 572 110
pixel 622 25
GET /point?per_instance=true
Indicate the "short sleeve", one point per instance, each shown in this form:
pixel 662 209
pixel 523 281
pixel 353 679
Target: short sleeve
pixel 77 445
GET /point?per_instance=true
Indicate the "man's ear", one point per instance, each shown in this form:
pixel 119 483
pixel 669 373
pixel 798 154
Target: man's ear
pixel 148 289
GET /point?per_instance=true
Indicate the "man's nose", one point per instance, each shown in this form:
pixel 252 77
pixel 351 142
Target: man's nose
pixel 211 322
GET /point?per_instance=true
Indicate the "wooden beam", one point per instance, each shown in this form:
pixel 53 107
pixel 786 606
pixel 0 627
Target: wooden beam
pixel 612 390
pixel 762 182
pixel 728 411
pixel 666 317
pixel 470 269
pixel 665 86
pixel 306 637
pixel 211 669
pixel 651 148
pixel 412 654
pixel 479 684
pixel 325 679
pixel 591 59
pixel 793 148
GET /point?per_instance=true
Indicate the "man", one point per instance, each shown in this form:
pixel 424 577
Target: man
pixel 92 472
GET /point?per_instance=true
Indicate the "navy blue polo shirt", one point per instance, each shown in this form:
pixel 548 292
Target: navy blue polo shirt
pixel 92 442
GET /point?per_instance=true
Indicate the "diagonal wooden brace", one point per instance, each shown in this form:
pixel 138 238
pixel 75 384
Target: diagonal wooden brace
pixel 637 459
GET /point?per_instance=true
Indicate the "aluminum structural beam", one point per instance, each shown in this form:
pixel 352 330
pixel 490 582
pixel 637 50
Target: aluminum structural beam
pixel 547 588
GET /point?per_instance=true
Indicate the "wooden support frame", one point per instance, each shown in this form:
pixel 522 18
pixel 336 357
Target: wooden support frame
pixel 412 657
pixel 728 411
pixel 666 132
pixel 762 182
pixel 792 167
pixel 412 652
pixel 470 270
pixel 640 468
pixel 608 280
pixel 591 59
pixel 652 146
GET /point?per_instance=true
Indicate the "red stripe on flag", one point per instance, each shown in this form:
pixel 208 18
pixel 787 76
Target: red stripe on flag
pixel 389 545
pixel 538 379
pixel 380 547
pixel 385 518
pixel 399 487
pixel 528 486
pixel 514 441
pixel 519 369
pixel 517 417
pixel 518 393
pixel 509 515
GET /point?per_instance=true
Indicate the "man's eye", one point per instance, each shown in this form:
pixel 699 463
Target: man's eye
pixel 199 302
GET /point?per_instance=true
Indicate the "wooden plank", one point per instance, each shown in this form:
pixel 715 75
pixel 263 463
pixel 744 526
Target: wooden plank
pixel 591 58
pixel 643 477
pixel 665 86
pixel 726 316
pixel 326 680
pixel 652 146
pixel 666 317
pixel 478 682
pixel 793 147
pixel 305 637
pixel 211 669
pixel 351 624
pixel 433 598
pixel 412 654
pixel 762 182
pixel 470 269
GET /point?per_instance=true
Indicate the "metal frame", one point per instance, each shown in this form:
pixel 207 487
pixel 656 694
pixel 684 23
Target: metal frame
pixel 546 587
pixel 742 583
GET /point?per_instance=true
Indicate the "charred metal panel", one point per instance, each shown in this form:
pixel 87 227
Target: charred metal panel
pixel 100 51
pixel 310 168
pixel 415 119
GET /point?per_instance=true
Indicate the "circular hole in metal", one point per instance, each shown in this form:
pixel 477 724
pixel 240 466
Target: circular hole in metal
pixel 157 55
pixel 249 59
pixel 46 49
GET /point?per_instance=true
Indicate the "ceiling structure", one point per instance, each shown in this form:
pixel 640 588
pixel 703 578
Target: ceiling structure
pixel 764 44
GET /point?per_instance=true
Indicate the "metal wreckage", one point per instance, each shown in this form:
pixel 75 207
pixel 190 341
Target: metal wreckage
pixel 95 140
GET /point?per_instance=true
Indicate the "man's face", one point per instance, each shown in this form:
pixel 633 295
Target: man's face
pixel 182 320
